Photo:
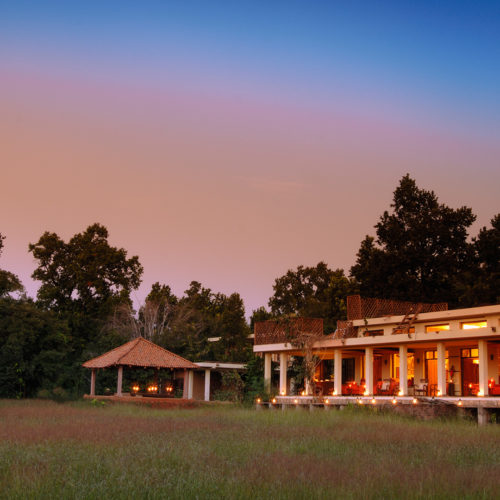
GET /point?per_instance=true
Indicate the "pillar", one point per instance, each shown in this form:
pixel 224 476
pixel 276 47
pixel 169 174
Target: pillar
pixel 337 376
pixel 185 385
pixel 483 367
pixel 283 368
pixel 92 382
pixel 482 416
pixel 403 370
pixel 119 382
pixel 441 369
pixel 207 384
pixel 369 370
pixel 267 372
pixel 190 383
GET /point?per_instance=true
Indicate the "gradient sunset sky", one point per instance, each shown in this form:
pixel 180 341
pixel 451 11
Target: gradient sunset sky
pixel 227 142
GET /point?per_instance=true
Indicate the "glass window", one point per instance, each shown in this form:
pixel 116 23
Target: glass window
pixel 470 325
pixel 436 328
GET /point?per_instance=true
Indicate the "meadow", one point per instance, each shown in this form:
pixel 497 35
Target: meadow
pixel 77 450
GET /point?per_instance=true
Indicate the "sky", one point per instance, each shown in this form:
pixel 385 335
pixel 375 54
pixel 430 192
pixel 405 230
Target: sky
pixel 227 142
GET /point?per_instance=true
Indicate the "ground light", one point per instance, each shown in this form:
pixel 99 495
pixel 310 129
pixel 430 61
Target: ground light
pixel 327 402
pixel 394 401
pixel 374 401
pixel 258 401
pixel 415 401
pixel 273 401
pixel 296 401
pixel 460 402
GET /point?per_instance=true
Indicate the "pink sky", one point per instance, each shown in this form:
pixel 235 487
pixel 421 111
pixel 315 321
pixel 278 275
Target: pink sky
pixel 228 189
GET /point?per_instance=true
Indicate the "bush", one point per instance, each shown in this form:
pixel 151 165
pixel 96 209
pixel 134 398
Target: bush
pixel 231 388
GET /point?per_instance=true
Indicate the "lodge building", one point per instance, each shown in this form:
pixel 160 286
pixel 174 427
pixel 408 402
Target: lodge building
pixel 390 348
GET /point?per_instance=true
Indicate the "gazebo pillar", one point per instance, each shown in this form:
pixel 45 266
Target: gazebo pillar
pixel 190 384
pixel 92 382
pixel 185 385
pixel 119 382
pixel 207 384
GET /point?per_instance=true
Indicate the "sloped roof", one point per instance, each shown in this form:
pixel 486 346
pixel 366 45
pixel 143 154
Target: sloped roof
pixel 139 352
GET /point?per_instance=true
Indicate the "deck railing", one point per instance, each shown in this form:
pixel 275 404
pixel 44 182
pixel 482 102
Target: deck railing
pixel 279 331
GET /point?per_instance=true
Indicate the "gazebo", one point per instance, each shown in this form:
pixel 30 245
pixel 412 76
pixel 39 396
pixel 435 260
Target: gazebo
pixel 144 354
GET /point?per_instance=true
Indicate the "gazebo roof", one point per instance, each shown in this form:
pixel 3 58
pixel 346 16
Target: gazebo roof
pixel 140 352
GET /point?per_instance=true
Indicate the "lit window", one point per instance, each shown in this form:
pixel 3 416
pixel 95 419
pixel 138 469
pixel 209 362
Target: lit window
pixel 474 353
pixel 374 333
pixel 436 328
pixel 470 325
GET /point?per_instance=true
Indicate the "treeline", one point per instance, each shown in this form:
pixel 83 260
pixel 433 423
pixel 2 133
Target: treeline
pixel 421 251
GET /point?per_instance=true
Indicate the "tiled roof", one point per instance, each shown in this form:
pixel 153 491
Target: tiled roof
pixel 139 352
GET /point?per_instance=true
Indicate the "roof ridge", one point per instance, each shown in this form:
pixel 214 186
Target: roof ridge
pixel 164 349
pixel 112 350
pixel 134 342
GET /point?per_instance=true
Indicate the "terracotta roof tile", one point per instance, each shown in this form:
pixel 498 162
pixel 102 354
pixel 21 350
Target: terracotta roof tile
pixel 139 352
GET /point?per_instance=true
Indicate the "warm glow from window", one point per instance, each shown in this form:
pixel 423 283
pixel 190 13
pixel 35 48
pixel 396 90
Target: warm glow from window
pixel 470 325
pixel 436 328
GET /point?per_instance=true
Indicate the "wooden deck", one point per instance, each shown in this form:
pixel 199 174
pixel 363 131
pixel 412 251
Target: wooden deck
pixel 420 405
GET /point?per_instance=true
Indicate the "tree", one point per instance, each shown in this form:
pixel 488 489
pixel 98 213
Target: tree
pixel 33 349
pixel 86 274
pixel 421 251
pixel 153 318
pixel 9 282
pixel 485 283
pixel 260 314
pixel 316 292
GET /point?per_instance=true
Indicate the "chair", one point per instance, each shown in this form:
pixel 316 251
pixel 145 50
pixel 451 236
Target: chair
pixel 421 388
pixel 493 388
pixel 384 389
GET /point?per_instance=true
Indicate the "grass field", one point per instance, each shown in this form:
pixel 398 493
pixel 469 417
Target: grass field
pixel 50 450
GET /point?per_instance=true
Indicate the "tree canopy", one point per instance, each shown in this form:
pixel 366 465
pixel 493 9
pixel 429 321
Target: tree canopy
pixel 316 292
pixel 86 273
pixel 9 282
pixel 421 252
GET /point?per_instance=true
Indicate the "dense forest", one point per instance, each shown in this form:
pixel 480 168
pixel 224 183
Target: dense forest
pixel 421 251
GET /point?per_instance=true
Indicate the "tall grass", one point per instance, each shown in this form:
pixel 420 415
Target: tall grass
pixel 50 450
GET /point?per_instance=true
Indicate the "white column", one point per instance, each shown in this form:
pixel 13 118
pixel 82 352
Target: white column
pixel 267 372
pixel 92 382
pixel 120 381
pixel 483 367
pixel 185 385
pixel 441 369
pixel 283 368
pixel 207 384
pixel 338 372
pixel 403 370
pixel 190 384
pixel 369 370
